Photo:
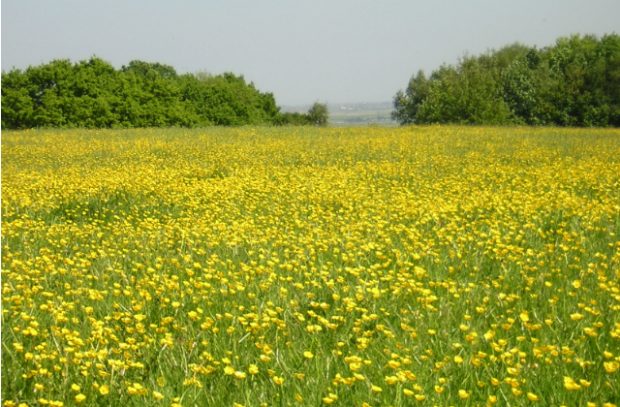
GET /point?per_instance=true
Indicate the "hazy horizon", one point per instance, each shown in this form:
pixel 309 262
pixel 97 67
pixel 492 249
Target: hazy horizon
pixel 336 52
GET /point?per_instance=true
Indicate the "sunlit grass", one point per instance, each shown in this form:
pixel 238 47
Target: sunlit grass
pixel 298 266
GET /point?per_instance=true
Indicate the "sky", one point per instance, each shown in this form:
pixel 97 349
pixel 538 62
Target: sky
pixel 337 51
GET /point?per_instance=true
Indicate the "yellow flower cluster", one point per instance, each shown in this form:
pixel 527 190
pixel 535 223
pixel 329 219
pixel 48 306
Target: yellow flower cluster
pixel 353 267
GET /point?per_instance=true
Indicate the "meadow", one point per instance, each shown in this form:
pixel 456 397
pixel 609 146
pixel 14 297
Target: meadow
pixel 300 266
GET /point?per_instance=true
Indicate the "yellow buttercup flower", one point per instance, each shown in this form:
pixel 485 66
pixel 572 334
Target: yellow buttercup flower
pixel 611 367
pixel 532 397
pixel 570 384
pixel 253 369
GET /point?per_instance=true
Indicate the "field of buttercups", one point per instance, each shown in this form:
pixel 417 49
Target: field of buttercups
pixel 299 266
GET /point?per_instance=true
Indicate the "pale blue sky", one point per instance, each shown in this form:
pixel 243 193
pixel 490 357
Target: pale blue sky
pixel 302 51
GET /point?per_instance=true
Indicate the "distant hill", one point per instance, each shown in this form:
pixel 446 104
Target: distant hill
pixel 352 114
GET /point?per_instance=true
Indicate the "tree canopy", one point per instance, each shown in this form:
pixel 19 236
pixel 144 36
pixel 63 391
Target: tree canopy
pixel 575 82
pixel 93 93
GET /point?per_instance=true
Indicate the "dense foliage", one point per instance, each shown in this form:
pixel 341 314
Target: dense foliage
pixel 575 82
pixel 93 93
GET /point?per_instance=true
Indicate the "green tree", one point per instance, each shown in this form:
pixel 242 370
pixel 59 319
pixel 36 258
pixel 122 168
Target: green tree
pixel 17 103
pixel 318 114
pixel 407 104
pixel 468 94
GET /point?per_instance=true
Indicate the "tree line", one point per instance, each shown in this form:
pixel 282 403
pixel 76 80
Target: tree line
pixel 93 94
pixel 575 82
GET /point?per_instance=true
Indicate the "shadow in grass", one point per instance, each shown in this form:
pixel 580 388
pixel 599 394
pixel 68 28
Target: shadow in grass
pixel 105 206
